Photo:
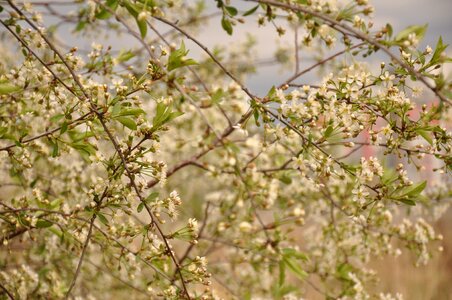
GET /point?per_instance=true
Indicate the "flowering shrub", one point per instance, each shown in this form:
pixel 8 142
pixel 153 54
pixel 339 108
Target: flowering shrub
pixel 147 174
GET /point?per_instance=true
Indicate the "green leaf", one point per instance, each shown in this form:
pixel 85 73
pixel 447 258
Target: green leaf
pixel 286 179
pixel 439 49
pixel 425 134
pixel 289 258
pixel 282 273
pixel 143 26
pixel 55 149
pixel 64 127
pixel 8 88
pixel 295 268
pixel 329 130
pixel 132 112
pixel 290 252
pixel 177 58
pixel 408 195
pixel 251 11
pixel 140 207
pixel 80 26
pixel 127 122
pixel 232 11
pixel 124 56
pixel 135 11
pixel 104 12
pixel 271 93
pixel 216 97
pixel 389 176
pixel 102 218
pixel 415 190
pixel 416 29
pixel 343 270
pixel 77 136
pixel 410 202
pixel 389 29
pixel 43 223
pixel 56 118
pixel 164 115
pixel 84 148
pixel 256 116
pixel 227 26
pixel 152 197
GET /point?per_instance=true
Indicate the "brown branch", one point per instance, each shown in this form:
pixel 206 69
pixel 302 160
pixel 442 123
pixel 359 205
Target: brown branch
pixel 6 291
pixel 82 256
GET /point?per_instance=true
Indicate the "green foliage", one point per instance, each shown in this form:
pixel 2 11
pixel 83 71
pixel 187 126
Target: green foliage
pixel 177 59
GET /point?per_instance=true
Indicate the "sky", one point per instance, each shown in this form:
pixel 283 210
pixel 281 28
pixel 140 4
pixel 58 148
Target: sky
pixel 399 13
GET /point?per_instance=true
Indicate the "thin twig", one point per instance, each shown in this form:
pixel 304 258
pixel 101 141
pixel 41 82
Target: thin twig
pixel 6 291
pixel 82 256
pixel 319 63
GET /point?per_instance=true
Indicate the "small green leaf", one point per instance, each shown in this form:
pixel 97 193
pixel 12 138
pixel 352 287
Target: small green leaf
pixel 127 122
pixel 329 130
pixel 152 197
pixel 104 13
pixel 64 127
pixel 290 252
pixel 295 268
pixel 251 11
pixel 343 271
pixel 389 29
pixel 286 179
pixel 8 88
pixel 282 273
pixel 389 176
pixel 227 26
pixel 256 117
pixel 439 49
pixel 43 223
pixel 425 134
pixel 124 56
pixel 177 58
pixel 416 189
pixel 232 11
pixel 271 93
pixel 409 195
pixel 80 26
pixel 132 112
pixel 164 115
pixel 416 29
pixel 142 25
pixel 140 207
pixel 56 118
pixel 410 202
pixel 55 149
pixel 216 97
pixel 102 218
pixel 84 148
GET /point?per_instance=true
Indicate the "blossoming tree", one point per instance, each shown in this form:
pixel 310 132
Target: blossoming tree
pixel 141 172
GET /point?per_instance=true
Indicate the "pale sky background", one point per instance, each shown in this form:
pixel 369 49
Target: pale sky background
pixel 399 13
